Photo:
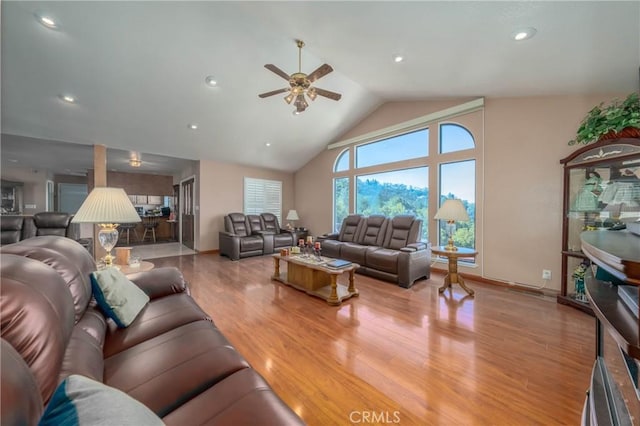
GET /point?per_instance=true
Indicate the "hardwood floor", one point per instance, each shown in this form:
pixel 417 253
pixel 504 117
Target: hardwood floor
pixel 403 356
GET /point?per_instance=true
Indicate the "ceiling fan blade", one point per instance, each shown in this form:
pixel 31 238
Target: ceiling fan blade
pixel 278 71
pixel 274 92
pixel 320 72
pixel 328 94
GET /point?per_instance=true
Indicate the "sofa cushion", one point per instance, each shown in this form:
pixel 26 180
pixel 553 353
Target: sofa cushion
pixel 373 231
pixel 402 231
pixel 331 248
pixel 37 317
pixel 251 243
pixel 159 316
pixel 172 368
pixel 350 227
pixel 236 223
pixel 385 260
pixel 353 252
pixel 20 400
pixel 72 262
pixel 120 299
pixel 242 399
pixel 79 401
pixel 11 228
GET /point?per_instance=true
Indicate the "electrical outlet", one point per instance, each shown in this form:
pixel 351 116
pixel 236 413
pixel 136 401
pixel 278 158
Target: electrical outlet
pixel 29 206
pixel 546 274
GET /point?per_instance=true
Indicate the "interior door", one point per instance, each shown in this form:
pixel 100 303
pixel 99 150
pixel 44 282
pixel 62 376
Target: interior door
pixel 187 219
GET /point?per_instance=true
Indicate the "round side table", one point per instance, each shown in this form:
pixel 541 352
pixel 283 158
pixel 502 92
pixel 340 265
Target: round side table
pixel 452 257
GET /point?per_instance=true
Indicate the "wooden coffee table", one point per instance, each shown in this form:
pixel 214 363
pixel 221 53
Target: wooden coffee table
pixel 312 277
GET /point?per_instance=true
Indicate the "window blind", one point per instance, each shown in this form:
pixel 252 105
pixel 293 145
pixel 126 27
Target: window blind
pixel 263 196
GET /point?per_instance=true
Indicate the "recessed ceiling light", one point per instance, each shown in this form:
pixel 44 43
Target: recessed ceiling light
pixel 267 144
pixel 47 21
pixel 211 81
pixel 192 126
pixel 68 99
pixel 524 34
pixel 398 58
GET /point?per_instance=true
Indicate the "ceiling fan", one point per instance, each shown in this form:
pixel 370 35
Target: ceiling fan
pixel 300 84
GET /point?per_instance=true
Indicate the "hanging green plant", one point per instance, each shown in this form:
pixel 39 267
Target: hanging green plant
pixel 617 119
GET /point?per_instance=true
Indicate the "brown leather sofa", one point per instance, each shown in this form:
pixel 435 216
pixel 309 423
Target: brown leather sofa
pixel 385 248
pixel 16 228
pixel 253 235
pixel 172 358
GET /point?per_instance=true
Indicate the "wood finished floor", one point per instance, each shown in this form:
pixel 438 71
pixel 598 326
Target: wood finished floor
pixel 410 357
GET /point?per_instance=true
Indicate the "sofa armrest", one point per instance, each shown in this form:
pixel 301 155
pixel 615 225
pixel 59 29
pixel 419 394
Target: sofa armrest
pixel 331 236
pixel 160 282
pixel 228 234
pixel 417 246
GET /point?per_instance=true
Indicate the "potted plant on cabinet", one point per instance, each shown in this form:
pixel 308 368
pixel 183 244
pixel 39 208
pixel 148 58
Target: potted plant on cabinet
pixel 617 119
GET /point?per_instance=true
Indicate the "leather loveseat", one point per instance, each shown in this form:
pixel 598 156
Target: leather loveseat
pixel 253 235
pixel 16 228
pixel 385 248
pixel 171 360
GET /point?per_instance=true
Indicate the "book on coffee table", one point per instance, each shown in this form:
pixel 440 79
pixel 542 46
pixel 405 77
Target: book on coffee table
pixel 338 263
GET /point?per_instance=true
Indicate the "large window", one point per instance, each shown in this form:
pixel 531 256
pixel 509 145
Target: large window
pixel 389 171
pixel 394 193
pixel 458 180
pixel 263 196
pixel 398 148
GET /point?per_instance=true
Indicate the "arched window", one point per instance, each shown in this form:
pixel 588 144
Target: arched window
pixel 342 162
pixel 454 137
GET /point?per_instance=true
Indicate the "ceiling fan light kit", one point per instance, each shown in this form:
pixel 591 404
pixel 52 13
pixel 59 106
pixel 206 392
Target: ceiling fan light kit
pixel 300 84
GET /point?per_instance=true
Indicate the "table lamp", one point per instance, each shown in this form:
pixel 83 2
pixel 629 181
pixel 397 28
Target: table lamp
pixel 452 210
pixel 292 216
pixel 107 207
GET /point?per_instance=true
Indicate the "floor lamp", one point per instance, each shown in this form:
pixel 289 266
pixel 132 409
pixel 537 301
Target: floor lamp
pixel 107 207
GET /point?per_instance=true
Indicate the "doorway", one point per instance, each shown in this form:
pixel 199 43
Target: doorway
pixel 187 207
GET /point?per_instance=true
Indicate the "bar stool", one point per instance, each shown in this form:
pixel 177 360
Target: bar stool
pixel 128 227
pixel 150 223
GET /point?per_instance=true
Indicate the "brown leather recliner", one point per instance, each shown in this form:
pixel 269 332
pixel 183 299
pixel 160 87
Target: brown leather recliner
pixel 349 230
pixel 401 257
pixel 18 228
pixel 275 237
pixel 238 240
pixel 56 223
pixel 172 358
pixel 371 233
pixel 15 228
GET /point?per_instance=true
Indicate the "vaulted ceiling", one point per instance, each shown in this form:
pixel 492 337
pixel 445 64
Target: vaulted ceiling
pixel 138 69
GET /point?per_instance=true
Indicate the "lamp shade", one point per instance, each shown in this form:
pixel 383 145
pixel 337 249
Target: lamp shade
pixel 292 215
pixel 452 210
pixel 106 205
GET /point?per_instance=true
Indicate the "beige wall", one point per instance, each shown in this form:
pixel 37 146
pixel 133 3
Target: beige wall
pixel 221 189
pixel 525 138
pixel 519 194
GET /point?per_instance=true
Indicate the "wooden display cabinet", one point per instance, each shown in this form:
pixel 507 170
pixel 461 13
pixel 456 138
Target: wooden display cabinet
pixel 601 191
